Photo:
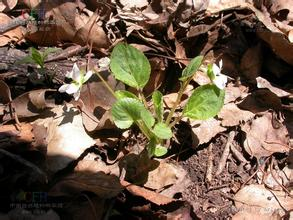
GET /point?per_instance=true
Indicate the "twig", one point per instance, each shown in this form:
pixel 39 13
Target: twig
pixel 238 155
pixel 16 22
pixel 226 152
pixel 210 166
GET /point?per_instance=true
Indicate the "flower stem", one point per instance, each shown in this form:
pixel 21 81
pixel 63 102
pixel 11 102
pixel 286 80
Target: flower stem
pixel 176 121
pixel 142 97
pixel 105 83
pixel 180 93
pixel 144 129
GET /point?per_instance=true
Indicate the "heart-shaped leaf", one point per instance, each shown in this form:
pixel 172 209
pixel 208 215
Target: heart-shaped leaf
pixel 157 98
pixel 130 66
pixel 125 111
pixel 162 131
pixel 191 68
pixel 205 102
pixel 155 149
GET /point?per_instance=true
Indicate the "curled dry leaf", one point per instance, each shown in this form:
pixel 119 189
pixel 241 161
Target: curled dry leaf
pixel 231 115
pixel 7 5
pixel 128 4
pixel 264 136
pixel 67 24
pixel 260 200
pixel 9 36
pixel 32 103
pixel 149 195
pixel 95 107
pixel 263 83
pixel 5 94
pixel 204 131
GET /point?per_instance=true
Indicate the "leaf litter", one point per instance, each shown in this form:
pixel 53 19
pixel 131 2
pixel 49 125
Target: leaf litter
pixel 59 148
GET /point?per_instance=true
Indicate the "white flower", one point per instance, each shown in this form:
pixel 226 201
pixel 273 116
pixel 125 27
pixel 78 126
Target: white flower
pixel 78 79
pixel 219 79
pixel 104 63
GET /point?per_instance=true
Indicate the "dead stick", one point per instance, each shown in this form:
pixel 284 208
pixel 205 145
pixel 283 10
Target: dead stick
pixel 226 152
pixel 16 22
pixel 209 174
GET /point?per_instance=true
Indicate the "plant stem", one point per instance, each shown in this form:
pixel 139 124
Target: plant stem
pixel 105 83
pixel 142 97
pixel 144 129
pixel 180 93
pixel 176 121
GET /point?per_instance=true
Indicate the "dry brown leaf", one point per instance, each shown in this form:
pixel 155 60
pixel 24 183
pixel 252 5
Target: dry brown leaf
pixel 279 44
pixel 128 4
pixel 204 131
pixel 66 137
pixel 231 115
pixel 67 24
pixel 104 186
pixel 233 93
pixel 290 36
pixel 283 9
pixel 9 36
pixel 149 195
pixel 263 83
pixel 265 136
pixel 216 6
pixel 95 107
pixel 5 94
pixel 251 63
pixel 25 135
pixel 261 100
pixel 7 5
pixel 158 74
pixel 32 103
pixel 165 175
pixel 258 199
pixel 248 214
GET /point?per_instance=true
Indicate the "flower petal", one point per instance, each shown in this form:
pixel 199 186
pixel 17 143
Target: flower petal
pixel 75 72
pixel 76 95
pixel 63 88
pixel 87 76
pixel 221 64
pixel 216 70
pixel 72 88
pixel 220 81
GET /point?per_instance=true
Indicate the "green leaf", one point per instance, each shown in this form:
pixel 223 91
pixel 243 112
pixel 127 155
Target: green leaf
pixel 125 111
pixel 120 94
pixel 191 68
pixel 147 118
pixel 205 102
pixel 160 151
pixel 37 56
pixel 130 66
pixel 157 98
pixel 162 131
pixel 48 51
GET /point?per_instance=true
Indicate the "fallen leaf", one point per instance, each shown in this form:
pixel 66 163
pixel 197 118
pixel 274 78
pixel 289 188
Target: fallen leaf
pixel 149 195
pixel 9 36
pixel 263 138
pixel 128 4
pixel 66 137
pixel 249 214
pixel 7 5
pixel 204 131
pixel 251 63
pixel 5 94
pixel 32 103
pixel 261 100
pixel 231 115
pixel 263 83
pixel 233 93
pixel 104 186
pixel 258 199
pixel 164 175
